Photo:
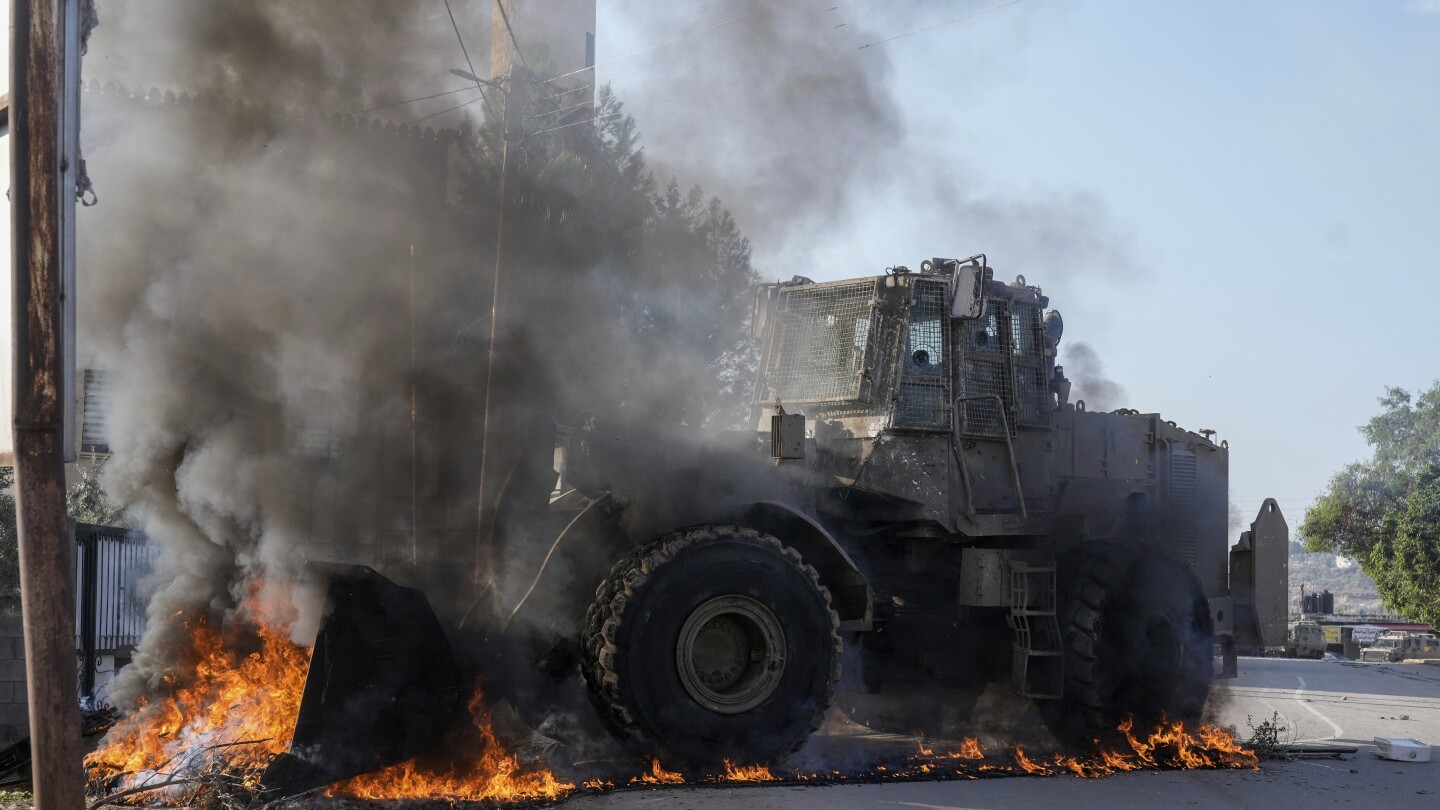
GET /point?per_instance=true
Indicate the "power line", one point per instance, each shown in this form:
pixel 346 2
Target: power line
pixel 670 41
pixel 939 24
pixel 408 101
pixel 511 31
pixel 490 111
pixel 442 112
pixel 880 13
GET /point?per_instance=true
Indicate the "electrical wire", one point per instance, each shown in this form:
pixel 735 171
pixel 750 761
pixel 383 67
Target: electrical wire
pixel 490 111
pixel 410 101
pixel 500 6
pixel 880 13
pixel 939 25
pixel 442 112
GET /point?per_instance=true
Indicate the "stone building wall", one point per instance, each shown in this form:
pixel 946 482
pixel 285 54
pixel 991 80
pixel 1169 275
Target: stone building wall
pixel 14 711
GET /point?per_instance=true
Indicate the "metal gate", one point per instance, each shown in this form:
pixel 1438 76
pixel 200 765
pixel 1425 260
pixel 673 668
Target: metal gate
pixel 109 614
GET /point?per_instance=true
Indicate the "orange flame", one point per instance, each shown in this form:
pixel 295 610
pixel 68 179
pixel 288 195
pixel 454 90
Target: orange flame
pixel 657 776
pixel 497 775
pixel 236 712
pixel 1026 764
pixel 750 773
pixel 970 749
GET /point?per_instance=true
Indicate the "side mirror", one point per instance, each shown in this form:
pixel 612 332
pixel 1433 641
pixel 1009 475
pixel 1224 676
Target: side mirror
pixel 968 301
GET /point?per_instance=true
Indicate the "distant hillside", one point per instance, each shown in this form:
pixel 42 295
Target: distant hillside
pixel 1354 590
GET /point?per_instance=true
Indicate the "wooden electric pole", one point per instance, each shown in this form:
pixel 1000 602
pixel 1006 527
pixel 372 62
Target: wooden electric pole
pixel 39 168
pixel 505 52
pixel 515 88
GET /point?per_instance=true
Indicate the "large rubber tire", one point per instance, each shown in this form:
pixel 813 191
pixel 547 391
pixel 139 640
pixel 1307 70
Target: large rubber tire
pixel 632 663
pixel 1139 642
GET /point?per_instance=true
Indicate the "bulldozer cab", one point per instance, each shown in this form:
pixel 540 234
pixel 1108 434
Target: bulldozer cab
pixel 897 371
pixel 896 351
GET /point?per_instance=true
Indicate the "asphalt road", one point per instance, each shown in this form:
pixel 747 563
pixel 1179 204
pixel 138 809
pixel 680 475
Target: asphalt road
pixel 1314 701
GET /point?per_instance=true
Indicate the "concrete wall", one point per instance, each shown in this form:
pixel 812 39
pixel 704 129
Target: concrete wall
pixel 14 712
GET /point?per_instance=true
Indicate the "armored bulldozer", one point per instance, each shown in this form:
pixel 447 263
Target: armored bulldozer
pixel 920 512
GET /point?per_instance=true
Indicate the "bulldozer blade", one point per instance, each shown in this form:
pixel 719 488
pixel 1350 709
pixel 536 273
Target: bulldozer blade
pixel 381 689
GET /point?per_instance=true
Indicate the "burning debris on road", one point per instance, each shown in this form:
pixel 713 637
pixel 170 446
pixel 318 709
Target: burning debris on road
pixel 220 730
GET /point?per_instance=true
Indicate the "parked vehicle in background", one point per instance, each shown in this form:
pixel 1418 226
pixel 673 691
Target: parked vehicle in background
pixel 1305 640
pixel 1393 647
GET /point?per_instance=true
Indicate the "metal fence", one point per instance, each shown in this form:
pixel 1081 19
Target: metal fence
pixel 109 614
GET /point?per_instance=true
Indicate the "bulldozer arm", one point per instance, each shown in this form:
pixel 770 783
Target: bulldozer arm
pixel 381 688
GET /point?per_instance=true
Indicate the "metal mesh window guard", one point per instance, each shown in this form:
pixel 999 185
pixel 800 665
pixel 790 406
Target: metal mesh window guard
pixel 822 344
pixel 1028 333
pixel 925 378
pixel 1031 395
pixel 987 372
pixel 1032 391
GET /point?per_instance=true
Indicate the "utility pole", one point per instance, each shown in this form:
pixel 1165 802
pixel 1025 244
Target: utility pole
pixel 42 170
pixel 504 53
pixel 516 88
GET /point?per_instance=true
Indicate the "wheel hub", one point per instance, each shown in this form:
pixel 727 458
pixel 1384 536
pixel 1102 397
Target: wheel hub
pixel 730 654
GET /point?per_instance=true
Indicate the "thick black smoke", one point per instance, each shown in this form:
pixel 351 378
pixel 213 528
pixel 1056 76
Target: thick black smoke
pixel 1087 373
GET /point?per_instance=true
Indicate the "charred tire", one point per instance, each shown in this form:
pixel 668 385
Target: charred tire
pixel 711 643
pixel 1138 642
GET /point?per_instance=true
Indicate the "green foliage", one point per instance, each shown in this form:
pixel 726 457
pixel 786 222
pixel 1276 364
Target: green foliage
pixel 1407 563
pixel 86 501
pixel 1385 512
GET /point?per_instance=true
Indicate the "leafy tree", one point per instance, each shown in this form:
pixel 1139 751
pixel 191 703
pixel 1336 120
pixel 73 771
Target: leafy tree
pixel 1385 512
pixel 86 501
pixel 1407 563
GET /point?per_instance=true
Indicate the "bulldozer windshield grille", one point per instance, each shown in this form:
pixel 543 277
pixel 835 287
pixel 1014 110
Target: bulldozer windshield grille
pixel 820 350
pixel 925 381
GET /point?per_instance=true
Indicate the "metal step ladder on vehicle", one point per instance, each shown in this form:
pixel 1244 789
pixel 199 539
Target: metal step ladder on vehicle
pixel 1038 662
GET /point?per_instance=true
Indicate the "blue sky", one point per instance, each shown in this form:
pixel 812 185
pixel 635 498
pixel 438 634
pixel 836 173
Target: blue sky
pixel 1270 170
pixel 1266 176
